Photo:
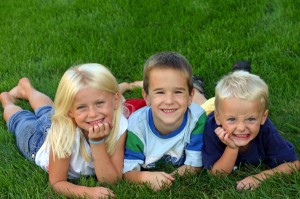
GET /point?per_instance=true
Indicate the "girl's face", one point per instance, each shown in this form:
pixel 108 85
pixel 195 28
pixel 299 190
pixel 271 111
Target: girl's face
pixel 92 106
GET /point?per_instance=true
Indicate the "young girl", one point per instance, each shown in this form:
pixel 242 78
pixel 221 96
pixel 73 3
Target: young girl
pixel 82 133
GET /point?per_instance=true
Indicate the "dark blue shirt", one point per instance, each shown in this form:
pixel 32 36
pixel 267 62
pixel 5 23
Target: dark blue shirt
pixel 267 147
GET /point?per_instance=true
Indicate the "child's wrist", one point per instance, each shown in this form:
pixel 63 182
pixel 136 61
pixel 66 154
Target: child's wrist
pixel 97 141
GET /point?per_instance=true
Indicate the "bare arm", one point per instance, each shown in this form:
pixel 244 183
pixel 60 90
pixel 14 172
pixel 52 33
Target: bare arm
pixel 157 180
pixel 58 175
pixel 186 169
pixel 108 168
pixel 226 162
pixel 252 182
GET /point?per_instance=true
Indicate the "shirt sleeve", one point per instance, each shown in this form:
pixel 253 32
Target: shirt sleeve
pixel 134 153
pixel 194 147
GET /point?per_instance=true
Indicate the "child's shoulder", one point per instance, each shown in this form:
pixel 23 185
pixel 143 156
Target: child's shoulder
pixel 139 114
pixel 196 110
pixel 139 119
pixel 268 128
pixel 210 124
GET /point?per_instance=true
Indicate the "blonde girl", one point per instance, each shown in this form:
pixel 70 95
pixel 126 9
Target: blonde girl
pixel 81 133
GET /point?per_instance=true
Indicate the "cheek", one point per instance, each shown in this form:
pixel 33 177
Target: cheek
pixel 229 128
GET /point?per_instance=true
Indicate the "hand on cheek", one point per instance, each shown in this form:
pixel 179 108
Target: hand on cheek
pixel 225 137
pixel 100 131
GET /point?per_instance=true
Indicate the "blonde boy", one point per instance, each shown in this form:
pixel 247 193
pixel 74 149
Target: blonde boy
pixel 239 131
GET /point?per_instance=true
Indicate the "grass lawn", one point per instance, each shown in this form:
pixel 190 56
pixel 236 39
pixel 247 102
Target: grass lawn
pixel 40 39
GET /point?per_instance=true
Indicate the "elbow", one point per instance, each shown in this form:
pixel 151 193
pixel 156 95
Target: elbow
pixel 55 185
pixel 110 179
pixel 297 164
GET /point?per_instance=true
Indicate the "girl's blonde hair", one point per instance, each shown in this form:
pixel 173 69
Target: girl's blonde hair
pixel 63 129
pixel 242 85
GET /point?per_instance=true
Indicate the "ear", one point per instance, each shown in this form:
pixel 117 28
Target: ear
pixel 71 114
pixel 191 96
pixel 217 118
pixel 146 97
pixel 265 116
pixel 116 101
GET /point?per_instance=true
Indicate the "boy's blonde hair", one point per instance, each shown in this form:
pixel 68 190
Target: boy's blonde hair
pixel 63 128
pixel 242 85
pixel 168 60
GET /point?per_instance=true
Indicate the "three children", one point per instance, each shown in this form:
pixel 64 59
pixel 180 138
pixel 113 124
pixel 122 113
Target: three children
pixel 170 129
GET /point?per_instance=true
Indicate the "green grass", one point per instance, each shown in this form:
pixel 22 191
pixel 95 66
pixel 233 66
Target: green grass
pixel 40 39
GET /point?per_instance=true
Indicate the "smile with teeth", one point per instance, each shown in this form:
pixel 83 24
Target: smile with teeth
pixel 95 122
pixel 168 110
pixel 241 135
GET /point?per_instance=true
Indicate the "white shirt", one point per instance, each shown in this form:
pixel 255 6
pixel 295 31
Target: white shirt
pixel 78 166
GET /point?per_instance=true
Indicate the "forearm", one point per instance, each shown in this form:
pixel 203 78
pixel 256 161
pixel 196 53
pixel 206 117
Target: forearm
pixel 70 190
pixel 135 176
pixel 287 168
pixel 226 162
pixel 105 170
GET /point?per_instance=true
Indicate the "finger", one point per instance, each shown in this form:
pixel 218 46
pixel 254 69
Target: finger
pixel 96 128
pixel 106 128
pixel 240 185
pixel 107 192
pixel 169 176
pixel 110 125
pixel 101 127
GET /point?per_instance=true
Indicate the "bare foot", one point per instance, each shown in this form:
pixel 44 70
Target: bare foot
pixel 6 99
pixel 22 89
pixel 136 84
pixel 124 86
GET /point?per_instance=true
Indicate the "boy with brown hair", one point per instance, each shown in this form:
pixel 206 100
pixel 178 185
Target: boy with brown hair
pixel 170 128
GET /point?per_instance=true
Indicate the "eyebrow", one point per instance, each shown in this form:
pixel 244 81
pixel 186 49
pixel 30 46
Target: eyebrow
pixel 177 88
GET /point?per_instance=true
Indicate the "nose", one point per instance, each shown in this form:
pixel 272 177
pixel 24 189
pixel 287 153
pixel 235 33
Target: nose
pixel 241 126
pixel 169 98
pixel 92 112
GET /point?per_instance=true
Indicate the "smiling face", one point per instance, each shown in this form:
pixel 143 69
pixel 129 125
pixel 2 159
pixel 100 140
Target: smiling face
pixel 241 119
pixel 92 106
pixel 169 97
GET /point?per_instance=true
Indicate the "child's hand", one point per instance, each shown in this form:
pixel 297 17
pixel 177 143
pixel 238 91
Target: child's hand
pixel 158 180
pixel 251 182
pixel 101 192
pixel 225 137
pixel 99 131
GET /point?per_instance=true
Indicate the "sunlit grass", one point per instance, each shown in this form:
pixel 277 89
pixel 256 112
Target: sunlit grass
pixel 41 39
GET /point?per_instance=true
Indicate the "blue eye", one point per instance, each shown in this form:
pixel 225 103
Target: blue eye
pixel 251 119
pixel 231 119
pixel 100 103
pixel 80 107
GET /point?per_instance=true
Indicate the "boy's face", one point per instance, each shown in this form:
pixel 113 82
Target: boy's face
pixel 168 97
pixel 241 119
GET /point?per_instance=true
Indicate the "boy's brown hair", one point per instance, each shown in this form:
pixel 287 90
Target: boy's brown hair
pixel 168 60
